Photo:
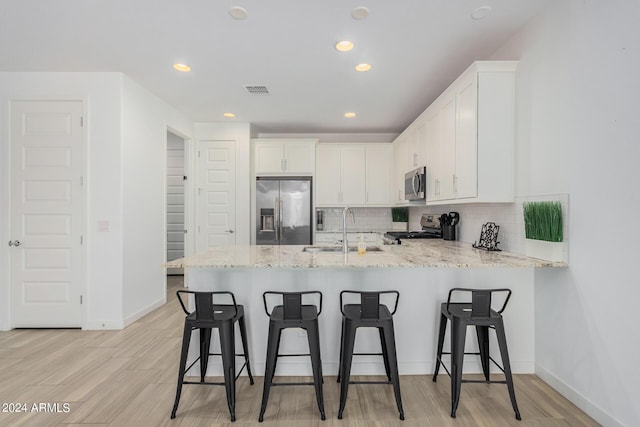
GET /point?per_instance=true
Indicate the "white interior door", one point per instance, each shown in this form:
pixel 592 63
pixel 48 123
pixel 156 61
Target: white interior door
pixel 216 194
pixel 175 200
pixel 46 213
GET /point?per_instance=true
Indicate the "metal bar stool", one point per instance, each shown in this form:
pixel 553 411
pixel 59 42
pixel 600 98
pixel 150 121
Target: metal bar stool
pixel 479 314
pixel 205 317
pixel 292 314
pixel 368 314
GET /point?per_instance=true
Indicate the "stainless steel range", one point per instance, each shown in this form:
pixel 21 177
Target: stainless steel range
pixel 430 230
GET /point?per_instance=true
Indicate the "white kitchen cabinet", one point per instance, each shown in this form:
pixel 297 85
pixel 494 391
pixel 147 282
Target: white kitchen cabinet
pixel 465 181
pixel 442 155
pixel 284 157
pixel 400 167
pixel 470 137
pixel 353 174
pixel 328 175
pixel 409 152
pixel 378 174
pixel 353 185
pixel 417 144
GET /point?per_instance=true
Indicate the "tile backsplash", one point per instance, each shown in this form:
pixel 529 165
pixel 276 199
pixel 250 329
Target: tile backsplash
pixel 507 215
pixel 472 216
pixel 364 219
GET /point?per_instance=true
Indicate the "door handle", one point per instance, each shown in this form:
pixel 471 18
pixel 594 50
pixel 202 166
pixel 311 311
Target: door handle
pixel 229 231
pixel 14 243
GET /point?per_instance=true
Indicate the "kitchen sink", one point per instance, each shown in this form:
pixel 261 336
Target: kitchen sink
pixel 337 249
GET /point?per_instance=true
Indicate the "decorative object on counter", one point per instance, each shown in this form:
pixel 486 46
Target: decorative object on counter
pixel 448 223
pixel 488 237
pixel 543 230
pixel 400 218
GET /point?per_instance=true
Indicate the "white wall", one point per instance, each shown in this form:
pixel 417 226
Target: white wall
pixel 101 94
pixel 241 133
pixel 145 119
pixel 577 132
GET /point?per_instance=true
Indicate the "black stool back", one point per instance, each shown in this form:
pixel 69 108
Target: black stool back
pixel 369 313
pixel 292 313
pixel 478 313
pixel 205 317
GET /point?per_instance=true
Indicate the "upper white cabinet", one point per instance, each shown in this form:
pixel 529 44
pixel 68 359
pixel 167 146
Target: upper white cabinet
pixel 417 144
pixel 284 157
pixel 353 174
pixel 400 167
pixel 409 153
pixel 378 174
pixel 470 137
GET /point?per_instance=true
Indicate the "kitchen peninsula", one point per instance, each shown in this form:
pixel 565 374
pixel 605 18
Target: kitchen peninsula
pixel 422 271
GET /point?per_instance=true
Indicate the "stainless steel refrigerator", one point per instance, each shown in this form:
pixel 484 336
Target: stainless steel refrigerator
pixel 284 212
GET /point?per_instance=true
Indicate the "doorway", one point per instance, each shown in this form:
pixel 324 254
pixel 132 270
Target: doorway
pixel 176 186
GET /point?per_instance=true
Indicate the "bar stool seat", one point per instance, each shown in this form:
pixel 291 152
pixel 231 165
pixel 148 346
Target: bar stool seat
pixel 477 313
pixel 204 318
pixel 292 314
pixel 369 313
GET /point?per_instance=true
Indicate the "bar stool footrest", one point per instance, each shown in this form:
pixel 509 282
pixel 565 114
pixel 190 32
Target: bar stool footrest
pixel 370 382
pixel 285 384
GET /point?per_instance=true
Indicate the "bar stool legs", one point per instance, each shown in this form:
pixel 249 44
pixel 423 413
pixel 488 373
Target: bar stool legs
pixel 478 313
pixel 313 337
pixel 206 317
pixel 186 338
pixel 270 366
pixel 227 343
pixel 458 336
pixel 502 343
pixel 346 355
pixel 292 314
pixel 370 313
pixel 389 349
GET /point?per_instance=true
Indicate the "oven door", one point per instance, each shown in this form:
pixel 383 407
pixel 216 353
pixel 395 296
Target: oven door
pixel 414 184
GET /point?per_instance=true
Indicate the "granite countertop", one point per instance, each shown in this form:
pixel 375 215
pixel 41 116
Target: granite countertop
pixel 414 254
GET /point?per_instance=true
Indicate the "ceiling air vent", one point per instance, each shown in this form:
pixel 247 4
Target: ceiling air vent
pixel 256 90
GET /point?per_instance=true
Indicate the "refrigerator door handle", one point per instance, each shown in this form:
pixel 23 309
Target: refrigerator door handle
pixel 280 220
pixel 277 218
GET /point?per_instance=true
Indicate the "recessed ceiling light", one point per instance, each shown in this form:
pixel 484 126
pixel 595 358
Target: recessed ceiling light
pixel 363 67
pixel 238 13
pixel 229 115
pixel 349 115
pixel 344 46
pixel 360 12
pixel 182 67
pixel 481 12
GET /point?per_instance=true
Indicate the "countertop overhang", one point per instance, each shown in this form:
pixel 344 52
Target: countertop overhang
pixel 431 253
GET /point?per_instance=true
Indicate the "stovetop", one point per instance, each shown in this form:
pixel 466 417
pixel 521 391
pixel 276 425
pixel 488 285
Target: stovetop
pixel 425 234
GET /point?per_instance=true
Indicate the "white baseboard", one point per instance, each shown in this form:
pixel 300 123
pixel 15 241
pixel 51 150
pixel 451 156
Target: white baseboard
pixel 121 324
pixel 575 397
pixel 141 313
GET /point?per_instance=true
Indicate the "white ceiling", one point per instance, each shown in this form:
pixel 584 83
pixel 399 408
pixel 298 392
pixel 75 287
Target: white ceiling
pixel 416 48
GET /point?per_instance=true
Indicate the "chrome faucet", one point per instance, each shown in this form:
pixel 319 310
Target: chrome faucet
pixel 345 245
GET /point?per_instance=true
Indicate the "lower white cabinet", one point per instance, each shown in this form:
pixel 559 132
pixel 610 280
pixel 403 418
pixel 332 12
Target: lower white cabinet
pixel 353 174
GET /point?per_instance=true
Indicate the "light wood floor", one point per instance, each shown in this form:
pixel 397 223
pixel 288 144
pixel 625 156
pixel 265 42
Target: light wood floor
pixel 128 378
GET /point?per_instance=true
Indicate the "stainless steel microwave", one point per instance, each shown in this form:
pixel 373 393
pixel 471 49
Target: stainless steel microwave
pixel 415 184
